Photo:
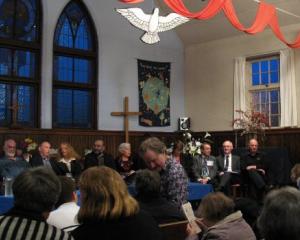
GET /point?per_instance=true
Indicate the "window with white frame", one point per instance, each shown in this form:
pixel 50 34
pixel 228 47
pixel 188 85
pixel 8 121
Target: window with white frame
pixel 263 87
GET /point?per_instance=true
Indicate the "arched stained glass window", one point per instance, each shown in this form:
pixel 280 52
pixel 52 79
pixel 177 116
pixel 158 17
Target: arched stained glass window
pixel 74 72
pixel 19 62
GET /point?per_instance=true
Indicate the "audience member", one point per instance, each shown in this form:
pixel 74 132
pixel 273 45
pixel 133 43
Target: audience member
pixel 228 168
pixel 253 167
pixel 98 157
pixel 177 152
pixel 42 158
pixel 280 215
pixel 11 165
pixel 35 193
pixel 69 161
pixel 219 220
pixel 147 185
pixel 204 165
pixel 295 174
pixel 174 181
pixel 184 159
pixel 108 211
pixel 65 215
pixel 126 165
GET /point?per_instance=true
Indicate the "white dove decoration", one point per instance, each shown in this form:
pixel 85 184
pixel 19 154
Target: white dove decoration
pixel 152 24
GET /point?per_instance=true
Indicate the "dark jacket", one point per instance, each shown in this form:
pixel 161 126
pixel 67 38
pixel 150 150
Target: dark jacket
pixel 235 163
pixel 233 227
pixel 75 169
pixel 161 210
pixel 139 227
pixel 91 160
pixel 258 160
pixel 37 161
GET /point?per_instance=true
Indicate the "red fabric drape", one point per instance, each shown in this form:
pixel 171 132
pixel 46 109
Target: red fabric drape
pixel 266 16
pixel 131 1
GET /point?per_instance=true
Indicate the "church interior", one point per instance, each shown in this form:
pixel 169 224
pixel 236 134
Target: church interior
pixel 75 71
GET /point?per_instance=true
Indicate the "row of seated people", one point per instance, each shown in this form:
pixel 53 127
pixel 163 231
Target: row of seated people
pixel 68 162
pixel 107 211
pixel 174 182
pixel 227 169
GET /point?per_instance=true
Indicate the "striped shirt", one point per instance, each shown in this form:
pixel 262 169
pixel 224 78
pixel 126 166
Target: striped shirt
pixel 21 228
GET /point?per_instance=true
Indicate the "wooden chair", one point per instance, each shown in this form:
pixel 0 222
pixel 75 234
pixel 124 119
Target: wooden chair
pixel 174 230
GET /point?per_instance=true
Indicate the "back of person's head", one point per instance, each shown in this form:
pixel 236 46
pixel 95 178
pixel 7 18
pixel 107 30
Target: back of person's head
pixel 68 189
pixel 215 207
pixel 36 190
pixel 147 184
pixel 104 195
pixel 280 217
pixel 249 208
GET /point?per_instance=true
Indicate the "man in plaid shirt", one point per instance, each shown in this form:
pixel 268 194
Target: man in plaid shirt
pixel 174 181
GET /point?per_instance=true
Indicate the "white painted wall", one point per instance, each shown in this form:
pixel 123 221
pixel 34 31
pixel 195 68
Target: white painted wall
pixel 209 69
pixel 119 49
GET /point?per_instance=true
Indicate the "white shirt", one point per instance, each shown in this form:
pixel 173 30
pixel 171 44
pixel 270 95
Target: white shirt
pixel 64 216
pixel 229 163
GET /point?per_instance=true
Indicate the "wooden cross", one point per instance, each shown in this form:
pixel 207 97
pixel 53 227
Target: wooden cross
pixel 126 114
pixel 14 108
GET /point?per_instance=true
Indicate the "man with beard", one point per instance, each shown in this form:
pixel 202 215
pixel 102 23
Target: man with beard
pixel 98 157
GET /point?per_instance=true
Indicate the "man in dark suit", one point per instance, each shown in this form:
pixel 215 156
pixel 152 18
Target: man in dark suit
pixel 43 158
pixel 228 166
pixel 98 157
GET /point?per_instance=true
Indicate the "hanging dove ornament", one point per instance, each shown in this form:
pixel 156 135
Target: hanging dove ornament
pixel 152 24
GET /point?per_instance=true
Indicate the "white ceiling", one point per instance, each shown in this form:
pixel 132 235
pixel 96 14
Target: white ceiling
pixel 198 31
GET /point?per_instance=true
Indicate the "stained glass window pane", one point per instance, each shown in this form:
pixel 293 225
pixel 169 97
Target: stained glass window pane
pixel 64 68
pixel 5 61
pixel 73 30
pixel 63 107
pixel 7 9
pixel 25 98
pixel 82 108
pixel 24 64
pixel 65 35
pixel 5 113
pixel 82 70
pixel 26 27
pixel 83 38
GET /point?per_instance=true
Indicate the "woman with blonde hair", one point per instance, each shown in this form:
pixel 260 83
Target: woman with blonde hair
pixel 68 159
pixel 108 211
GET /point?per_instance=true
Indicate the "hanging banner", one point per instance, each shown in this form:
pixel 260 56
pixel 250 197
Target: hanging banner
pixel 154 93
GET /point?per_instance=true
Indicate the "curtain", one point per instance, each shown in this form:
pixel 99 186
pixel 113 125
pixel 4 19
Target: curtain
pixel 239 86
pixel 287 89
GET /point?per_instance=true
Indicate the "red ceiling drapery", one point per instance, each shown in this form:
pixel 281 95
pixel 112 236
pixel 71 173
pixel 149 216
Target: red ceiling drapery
pixel 266 16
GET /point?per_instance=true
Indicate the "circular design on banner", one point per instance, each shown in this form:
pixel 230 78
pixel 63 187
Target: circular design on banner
pixel 155 94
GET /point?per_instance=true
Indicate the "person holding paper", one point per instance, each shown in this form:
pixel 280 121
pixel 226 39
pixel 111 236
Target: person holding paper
pixel 254 170
pixel 204 165
pixel 228 166
pixel 218 219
